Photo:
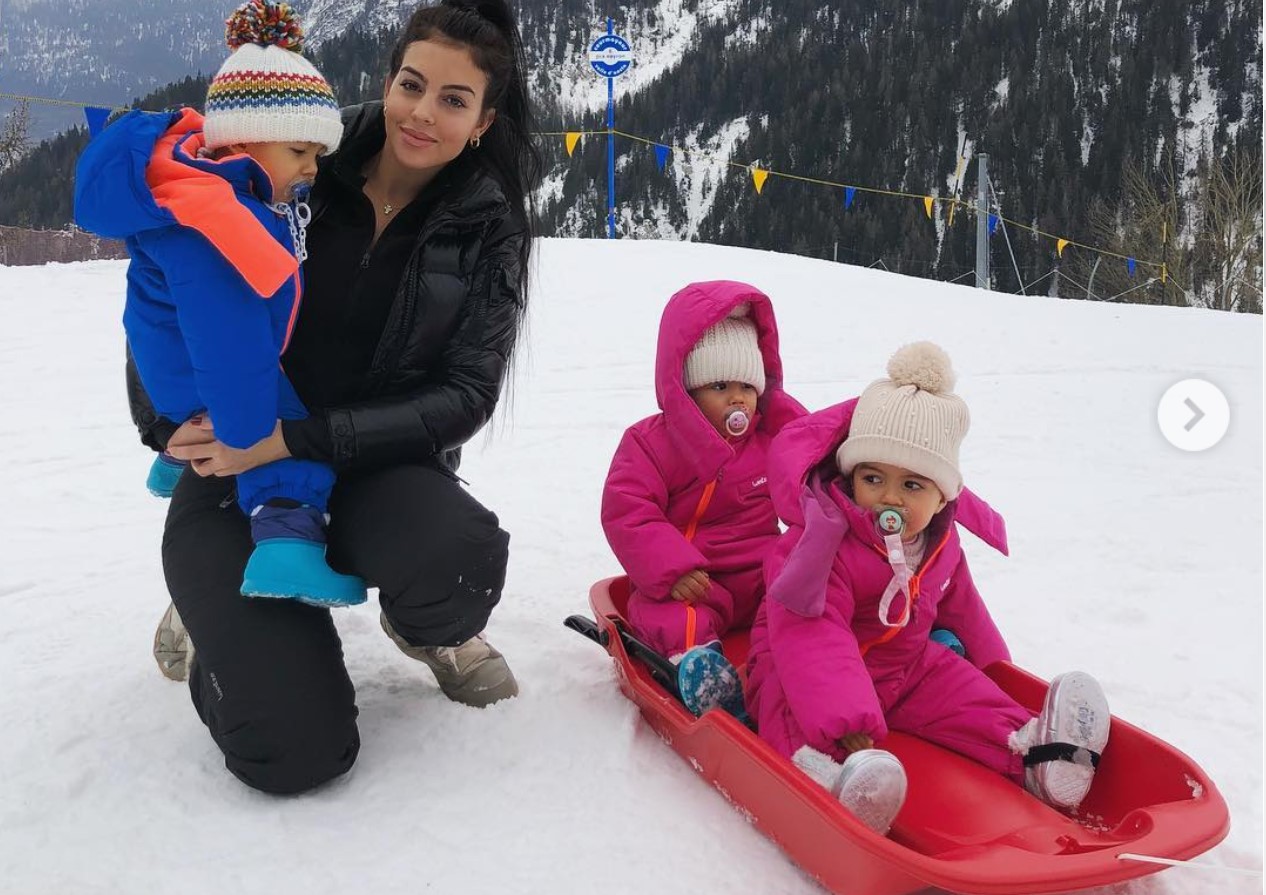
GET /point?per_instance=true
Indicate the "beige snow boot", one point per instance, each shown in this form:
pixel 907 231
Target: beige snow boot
pixel 472 673
pixel 173 648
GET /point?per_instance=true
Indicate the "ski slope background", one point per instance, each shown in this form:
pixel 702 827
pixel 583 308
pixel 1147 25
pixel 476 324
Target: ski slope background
pixel 1131 559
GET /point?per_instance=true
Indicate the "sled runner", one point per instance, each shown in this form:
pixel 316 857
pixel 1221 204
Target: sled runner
pixel 963 828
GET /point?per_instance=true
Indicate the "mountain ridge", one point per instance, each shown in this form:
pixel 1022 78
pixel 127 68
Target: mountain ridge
pixel 1063 96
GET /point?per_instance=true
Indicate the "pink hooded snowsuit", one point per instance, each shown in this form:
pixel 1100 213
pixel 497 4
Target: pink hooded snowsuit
pixel 680 496
pixel 822 663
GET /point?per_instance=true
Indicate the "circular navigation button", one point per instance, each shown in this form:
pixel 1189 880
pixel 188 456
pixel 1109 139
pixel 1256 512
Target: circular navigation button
pixel 1193 415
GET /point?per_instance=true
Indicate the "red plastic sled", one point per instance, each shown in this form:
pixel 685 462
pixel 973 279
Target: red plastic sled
pixel 963 828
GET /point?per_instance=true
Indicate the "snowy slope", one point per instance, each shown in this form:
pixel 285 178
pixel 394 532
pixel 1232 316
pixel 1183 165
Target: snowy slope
pixel 1131 559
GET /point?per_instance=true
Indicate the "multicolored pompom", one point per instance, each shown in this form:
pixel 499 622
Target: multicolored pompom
pixel 266 23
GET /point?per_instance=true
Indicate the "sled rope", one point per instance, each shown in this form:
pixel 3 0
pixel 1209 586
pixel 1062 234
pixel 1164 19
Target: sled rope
pixel 1127 856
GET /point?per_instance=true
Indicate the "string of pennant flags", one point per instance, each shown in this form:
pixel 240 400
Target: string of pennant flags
pixel 760 175
pixel 97 116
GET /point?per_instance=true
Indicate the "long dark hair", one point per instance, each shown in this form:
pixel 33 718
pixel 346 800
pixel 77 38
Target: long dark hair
pixel 488 29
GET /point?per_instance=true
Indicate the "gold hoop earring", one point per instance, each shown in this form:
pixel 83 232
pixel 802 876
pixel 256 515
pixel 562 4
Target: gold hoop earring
pixel 474 142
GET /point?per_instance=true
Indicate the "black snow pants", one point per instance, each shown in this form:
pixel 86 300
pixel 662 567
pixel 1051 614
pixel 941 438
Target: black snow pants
pixel 268 679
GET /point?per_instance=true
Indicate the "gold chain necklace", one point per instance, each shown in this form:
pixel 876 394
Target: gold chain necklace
pixel 388 207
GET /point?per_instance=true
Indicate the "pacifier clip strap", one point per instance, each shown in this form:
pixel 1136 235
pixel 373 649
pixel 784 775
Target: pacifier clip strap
pixel 900 582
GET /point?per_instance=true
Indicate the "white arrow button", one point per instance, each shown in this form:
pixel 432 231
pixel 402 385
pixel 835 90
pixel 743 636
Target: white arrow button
pixel 1193 415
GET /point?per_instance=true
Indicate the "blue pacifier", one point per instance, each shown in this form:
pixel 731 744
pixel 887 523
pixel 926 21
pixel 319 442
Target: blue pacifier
pixel 890 522
pixel 736 422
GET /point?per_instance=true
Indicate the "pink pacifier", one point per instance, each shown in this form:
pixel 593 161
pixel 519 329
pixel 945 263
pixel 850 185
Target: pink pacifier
pixel 890 522
pixel 736 422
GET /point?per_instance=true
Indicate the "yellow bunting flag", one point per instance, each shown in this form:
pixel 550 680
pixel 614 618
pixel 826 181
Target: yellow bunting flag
pixel 1059 247
pixel 572 138
pixel 758 178
pixel 927 206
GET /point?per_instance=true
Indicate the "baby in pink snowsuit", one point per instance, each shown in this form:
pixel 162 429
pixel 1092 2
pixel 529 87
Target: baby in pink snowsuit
pixel 686 504
pixel 872 495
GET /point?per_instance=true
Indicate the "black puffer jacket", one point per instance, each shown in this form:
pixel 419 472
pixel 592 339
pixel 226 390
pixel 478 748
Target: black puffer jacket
pixel 438 368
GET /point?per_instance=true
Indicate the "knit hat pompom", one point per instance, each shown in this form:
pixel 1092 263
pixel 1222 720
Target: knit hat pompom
pixel 266 23
pixel 924 365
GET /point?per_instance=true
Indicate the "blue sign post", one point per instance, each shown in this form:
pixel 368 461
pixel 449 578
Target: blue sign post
pixel 610 57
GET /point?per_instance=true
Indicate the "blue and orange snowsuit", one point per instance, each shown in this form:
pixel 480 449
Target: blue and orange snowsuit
pixel 213 287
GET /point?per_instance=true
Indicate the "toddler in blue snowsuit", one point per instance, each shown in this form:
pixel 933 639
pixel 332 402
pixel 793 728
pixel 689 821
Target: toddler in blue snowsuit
pixel 216 237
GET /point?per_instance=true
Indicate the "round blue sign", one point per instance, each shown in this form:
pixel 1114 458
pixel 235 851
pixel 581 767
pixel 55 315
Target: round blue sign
pixel 610 55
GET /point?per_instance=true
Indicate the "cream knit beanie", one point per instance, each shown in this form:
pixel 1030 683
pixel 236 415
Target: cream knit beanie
pixel 911 419
pixel 728 351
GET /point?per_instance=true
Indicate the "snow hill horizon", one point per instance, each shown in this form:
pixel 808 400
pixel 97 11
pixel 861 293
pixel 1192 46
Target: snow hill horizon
pixel 1131 559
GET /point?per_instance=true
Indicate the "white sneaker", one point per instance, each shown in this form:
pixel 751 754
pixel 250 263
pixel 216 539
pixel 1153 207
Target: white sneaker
pixel 173 648
pixel 1074 725
pixel 871 783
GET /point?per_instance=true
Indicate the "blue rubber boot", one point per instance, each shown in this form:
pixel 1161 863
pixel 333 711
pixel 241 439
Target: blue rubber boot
pixel 948 639
pixel 707 680
pixel 164 473
pixel 289 558
pixel 295 569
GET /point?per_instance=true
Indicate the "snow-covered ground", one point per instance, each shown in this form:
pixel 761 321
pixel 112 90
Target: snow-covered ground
pixel 1131 559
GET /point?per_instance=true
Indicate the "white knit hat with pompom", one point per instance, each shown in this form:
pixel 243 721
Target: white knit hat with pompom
pixel 266 92
pixel 911 419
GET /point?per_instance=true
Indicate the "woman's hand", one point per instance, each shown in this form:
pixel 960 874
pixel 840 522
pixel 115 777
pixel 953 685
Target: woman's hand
pixel 195 442
pixel 196 430
pixel 855 742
